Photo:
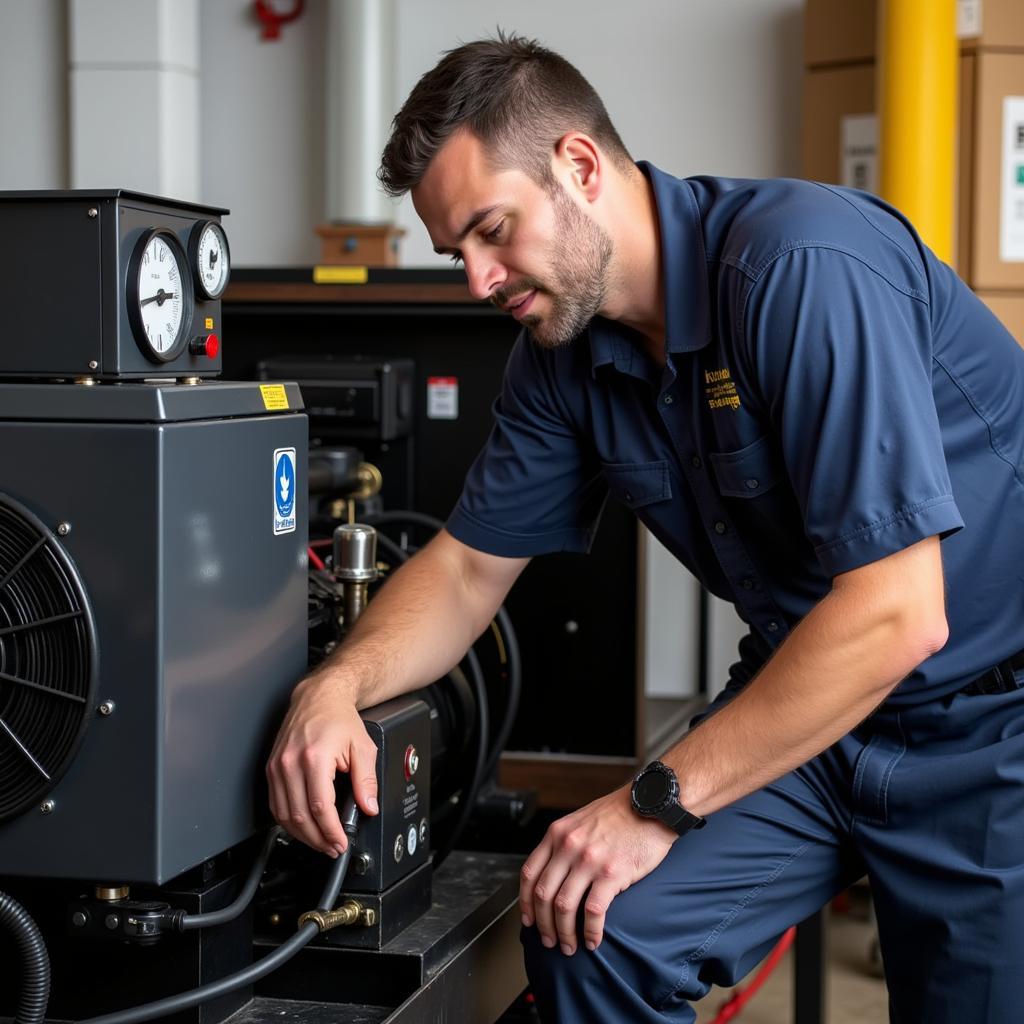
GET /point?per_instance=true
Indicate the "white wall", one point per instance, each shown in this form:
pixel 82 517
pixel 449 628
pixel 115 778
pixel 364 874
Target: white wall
pixel 33 94
pixel 696 86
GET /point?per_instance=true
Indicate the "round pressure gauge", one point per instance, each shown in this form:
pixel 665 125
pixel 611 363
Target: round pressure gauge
pixel 208 251
pixel 159 296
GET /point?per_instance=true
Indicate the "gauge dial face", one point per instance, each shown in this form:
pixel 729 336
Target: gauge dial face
pixel 161 306
pixel 211 259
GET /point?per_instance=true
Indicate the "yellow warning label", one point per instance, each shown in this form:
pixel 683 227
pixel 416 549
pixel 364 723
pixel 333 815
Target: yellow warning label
pixel 274 397
pixel 340 275
pixel 209 323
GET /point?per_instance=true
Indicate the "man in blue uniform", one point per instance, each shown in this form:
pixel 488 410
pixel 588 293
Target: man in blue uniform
pixel 822 422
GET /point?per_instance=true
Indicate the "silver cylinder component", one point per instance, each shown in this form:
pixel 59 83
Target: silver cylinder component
pixel 355 553
pixel 356 596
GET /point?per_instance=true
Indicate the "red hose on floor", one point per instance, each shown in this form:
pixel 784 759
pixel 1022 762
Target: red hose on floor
pixel 741 996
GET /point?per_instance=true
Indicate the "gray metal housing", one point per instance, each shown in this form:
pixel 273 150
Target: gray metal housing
pixel 64 274
pixel 200 613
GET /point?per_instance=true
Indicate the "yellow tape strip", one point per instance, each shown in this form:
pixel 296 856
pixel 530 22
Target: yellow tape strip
pixel 340 275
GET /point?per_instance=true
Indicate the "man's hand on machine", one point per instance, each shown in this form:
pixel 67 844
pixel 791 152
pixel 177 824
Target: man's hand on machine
pixel 604 847
pixel 322 734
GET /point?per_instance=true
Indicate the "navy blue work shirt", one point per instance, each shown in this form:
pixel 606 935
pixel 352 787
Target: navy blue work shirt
pixel 832 394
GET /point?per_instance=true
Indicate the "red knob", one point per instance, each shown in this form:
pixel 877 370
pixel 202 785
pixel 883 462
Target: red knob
pixel 208 346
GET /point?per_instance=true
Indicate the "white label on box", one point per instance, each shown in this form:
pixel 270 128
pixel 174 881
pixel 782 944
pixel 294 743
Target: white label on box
pixel 858 152
pixel 1011 207
pixel 968 18
pixel 442 398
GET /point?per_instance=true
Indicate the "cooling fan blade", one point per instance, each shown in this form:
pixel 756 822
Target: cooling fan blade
pixel 47 659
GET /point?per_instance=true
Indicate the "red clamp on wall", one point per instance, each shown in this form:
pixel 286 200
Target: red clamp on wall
pixel 271 19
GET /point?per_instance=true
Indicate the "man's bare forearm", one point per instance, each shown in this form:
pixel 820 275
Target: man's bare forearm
pixel 417 627
pixel 834 669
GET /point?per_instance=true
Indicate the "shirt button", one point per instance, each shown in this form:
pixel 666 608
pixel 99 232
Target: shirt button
pixel 773 626
pixel 748 584
pixel 695 462
pixel 669 399
pixel 752 485
pixel 720 527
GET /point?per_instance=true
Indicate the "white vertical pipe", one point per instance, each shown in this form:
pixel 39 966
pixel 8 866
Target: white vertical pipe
pixel 359 106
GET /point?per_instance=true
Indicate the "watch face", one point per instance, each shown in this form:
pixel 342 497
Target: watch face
pixel 652 790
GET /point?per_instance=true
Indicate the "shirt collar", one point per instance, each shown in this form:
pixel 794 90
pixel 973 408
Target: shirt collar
pixel 684 265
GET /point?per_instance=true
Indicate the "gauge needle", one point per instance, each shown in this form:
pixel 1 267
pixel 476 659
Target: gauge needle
pixel 160 298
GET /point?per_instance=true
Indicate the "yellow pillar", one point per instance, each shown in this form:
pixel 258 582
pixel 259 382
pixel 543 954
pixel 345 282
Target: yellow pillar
pixel 917 91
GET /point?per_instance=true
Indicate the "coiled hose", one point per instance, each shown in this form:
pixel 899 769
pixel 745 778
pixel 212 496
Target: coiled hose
pixel 35 989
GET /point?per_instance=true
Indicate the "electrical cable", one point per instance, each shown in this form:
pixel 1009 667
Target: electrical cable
pixel 514 691
pixel 188 922
pixel 262 967
pixel 472 791
pixel 35 989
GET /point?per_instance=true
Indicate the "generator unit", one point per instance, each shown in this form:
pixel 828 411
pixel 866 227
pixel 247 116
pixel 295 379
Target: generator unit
pixel 153 575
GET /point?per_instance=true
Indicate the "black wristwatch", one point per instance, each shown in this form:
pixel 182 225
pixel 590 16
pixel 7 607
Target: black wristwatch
pixel 655 794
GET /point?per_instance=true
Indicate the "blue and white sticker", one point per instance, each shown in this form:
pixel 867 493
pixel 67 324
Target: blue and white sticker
pixel 284 490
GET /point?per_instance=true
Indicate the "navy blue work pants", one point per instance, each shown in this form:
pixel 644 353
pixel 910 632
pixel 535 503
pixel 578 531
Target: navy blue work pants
pixel 927 801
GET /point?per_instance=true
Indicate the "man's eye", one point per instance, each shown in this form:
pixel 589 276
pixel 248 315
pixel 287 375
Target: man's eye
pixel 495 233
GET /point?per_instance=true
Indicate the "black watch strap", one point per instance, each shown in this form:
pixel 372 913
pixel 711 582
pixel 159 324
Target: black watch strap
pixel 679 818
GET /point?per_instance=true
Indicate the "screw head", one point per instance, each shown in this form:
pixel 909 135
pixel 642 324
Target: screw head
pixel 93 364
pixel 47 806
pixel 361 864
pixel 399 847
pixel 63 529
pixel 111 921
pixel 93 212
pixel 106 708
pixel 423 831
pixel 79 920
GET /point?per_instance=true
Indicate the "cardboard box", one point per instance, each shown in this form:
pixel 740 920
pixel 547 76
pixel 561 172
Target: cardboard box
pixel 1009 307
pixel 846 31
pixel 990 249
pixel 839 144
pixel 836 100
pixel 839 31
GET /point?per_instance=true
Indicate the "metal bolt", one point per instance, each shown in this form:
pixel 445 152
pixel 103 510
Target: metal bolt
pixel 274 919
pixel 111 921
pixel 423 830
pixel 361 864
pixel 368 917
pixel 64 528
pixel 79 920
pixel 414 762
pixel 93 212
pixel 93 364
pixel 399 847
pixel 106 708
pixel 47 806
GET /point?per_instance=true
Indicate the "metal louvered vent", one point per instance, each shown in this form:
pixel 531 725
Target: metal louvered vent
pixel 47 659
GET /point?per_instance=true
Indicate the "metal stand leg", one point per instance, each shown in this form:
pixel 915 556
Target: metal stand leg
pixel 809 970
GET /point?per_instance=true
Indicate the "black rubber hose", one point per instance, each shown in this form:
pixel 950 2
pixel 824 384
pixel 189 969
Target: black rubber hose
pixel 35 986
pixel 188 922
pixel 515 669
pixel 514 692
pixel 472 791
pixel 263 967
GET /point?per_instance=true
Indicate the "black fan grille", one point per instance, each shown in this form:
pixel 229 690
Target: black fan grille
pixel 47 660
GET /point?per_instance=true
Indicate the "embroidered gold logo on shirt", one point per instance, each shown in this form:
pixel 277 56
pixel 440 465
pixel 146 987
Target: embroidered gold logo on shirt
pixel 720 389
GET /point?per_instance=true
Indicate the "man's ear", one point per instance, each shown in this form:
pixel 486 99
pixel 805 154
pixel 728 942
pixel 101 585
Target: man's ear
pixel 579 164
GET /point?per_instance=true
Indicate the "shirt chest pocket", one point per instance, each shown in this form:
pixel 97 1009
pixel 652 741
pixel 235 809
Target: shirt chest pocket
pixel 748 473
pixel 638 484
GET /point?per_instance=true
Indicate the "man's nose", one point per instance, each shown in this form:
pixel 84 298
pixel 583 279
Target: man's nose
pixel 484 275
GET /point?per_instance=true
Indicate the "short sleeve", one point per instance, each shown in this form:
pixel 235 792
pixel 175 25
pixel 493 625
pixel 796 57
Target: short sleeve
pixel 843 360
pixel 533 489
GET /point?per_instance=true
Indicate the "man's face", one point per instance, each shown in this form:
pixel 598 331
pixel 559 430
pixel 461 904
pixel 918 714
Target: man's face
pixel 532 252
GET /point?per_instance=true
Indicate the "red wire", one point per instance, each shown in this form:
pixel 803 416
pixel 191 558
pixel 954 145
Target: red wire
pixel 741 996
pixel 317 561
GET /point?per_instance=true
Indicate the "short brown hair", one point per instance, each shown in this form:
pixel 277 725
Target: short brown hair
pixel 516 96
